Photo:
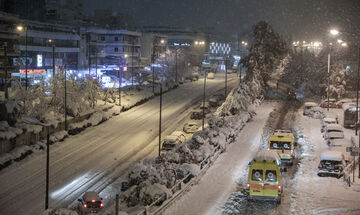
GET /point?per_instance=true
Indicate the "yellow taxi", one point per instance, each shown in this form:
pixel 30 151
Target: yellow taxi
pixel 282 142
pixel 264 179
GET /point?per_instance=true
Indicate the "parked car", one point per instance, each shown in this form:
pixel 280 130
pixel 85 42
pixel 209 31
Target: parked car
pixel 172 140
pixel 191 127
pixel 333 128
pixel 332 164
pixel 91 202
pixel 341 102
pixel 196 115
pixel 332 103
pixel 211 75
pixel 332 137
pixel 327 121
pixel 307 108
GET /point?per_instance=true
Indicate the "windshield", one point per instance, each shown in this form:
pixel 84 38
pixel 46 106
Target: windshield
pixel 280 145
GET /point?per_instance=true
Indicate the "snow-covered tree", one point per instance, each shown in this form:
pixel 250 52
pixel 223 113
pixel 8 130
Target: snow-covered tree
pixel 267 49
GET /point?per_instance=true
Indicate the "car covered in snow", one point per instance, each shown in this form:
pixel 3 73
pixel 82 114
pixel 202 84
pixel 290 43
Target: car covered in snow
pixel 211 75
pixel 333 128
pixel 90 202
pixel 332 164
pixel 341 102
pixel 331 103
pixel 191 127
pixel 282 142
pixel 327 121
pixel 332 137
pixel 264 178
pixel 172 140
pixel 307 108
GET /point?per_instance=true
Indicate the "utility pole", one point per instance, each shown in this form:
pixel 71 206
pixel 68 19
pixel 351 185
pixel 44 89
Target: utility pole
pixel 65 105
pixel 26 60
pixel 96 63
pixel 132 62
pixel 357 97
pixel 47 168
pixel 89 59
pixel 176 65
pixel 53 51
pixel 120 79
pixel 160 118
pixel 152 66
pixel 328 91
pixel 6 71
pixel 225 76
pixel 203 112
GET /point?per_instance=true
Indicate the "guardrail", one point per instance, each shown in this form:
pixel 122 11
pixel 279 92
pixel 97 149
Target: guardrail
pixel 349 169
pixel 177 189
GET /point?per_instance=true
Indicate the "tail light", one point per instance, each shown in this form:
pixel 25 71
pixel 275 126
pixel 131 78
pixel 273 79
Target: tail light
pixel 101 205
pixel 328 143
pixel 247 186
pixel 85 205
pixel 279 187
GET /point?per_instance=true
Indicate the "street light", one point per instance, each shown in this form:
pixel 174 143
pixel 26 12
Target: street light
pixel 334 32
pixel 22 28
pixel 53 54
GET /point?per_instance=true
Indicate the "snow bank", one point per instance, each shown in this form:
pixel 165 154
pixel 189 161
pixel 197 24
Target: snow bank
pixel 7 132
pixel 316 112
pixel 59 211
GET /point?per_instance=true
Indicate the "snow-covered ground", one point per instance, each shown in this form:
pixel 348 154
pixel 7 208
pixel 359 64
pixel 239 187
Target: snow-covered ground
pixel 221 179
pixel 304 192
pixel 97 157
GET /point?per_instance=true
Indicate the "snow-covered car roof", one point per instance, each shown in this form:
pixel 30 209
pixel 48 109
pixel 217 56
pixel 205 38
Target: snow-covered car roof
pixel 88 196
pixel 329 120
pixel 286 133
pixel 331 156
pixel 334 127
pixel 267 155
pixel 310 104
pixel 335 135
pixel 330 100
pixel 344 101
pixel 340 142
pixel 177 133
pixel 192 122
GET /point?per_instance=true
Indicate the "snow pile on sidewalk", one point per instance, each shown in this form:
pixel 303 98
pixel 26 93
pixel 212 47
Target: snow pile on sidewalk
pixel 316 113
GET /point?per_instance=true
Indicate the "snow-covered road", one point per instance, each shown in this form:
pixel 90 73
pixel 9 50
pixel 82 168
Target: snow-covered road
pixel 97 157
pixel 210 194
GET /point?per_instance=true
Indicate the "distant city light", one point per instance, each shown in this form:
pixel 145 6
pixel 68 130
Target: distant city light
pixel 340 41
pixel 334 32
pixel 162 41
pixel 344 44
pixel 20 28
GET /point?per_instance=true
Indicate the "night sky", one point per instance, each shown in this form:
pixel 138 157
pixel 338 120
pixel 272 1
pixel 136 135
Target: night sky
pixel 301 19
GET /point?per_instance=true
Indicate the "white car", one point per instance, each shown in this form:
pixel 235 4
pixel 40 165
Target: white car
pixel 172 140
pixel 331 138
pixel 307 108
pixel 211 75
pixel 191 127
pixel 332 163
pixel 333 128
pixel 327 121
pixel 91 202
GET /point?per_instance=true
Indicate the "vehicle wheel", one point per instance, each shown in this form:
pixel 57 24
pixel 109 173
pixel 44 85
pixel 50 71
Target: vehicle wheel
pixel 278 201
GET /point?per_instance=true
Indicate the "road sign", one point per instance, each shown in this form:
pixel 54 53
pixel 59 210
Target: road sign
pixel 353 149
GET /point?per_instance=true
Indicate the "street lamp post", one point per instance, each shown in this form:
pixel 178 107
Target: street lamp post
pixel 6 72
pixel 152 67
pixel 176 65
pixel 203 112
pixel 328 90
pixel 65 104
pixel 225 76
pixel 21 28
pixel 160 118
